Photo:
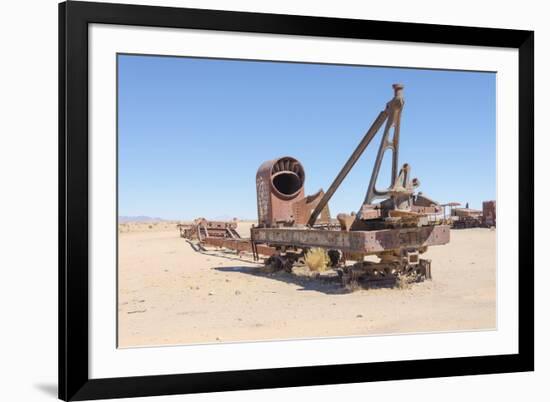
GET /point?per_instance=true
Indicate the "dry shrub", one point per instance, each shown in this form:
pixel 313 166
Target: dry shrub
pixel 403 282
pixel 317 259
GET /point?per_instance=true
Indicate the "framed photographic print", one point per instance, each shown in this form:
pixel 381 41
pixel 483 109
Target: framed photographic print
pixel 257 200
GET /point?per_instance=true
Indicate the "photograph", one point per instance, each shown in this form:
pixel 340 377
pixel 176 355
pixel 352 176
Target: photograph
pixel 264 200
pixel 251 200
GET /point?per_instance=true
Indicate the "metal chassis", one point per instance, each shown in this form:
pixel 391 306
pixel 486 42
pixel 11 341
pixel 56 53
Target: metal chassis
pixel 362 242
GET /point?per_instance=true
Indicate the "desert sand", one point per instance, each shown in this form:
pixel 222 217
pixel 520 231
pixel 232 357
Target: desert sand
pixel 171 294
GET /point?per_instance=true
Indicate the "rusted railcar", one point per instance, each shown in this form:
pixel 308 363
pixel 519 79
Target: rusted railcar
pixel 466 218
pixel 202 228
pixel 391 223
pixel 489 213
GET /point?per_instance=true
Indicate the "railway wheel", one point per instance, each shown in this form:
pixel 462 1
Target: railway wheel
pixel 335 257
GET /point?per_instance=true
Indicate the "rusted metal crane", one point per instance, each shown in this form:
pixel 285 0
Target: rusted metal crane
pixel 396 229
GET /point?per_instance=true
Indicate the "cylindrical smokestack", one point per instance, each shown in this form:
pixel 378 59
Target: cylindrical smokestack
pixel 279 183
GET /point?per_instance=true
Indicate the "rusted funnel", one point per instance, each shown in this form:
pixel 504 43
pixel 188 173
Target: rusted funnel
pixel 279 183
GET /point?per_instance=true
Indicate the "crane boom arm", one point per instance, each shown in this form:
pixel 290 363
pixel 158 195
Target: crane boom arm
pixel 348 166
pixel 391 112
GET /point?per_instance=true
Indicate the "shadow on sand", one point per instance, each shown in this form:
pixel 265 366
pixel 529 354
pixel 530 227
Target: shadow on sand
pixel 324 284
pixel 222 253
pixel 327 284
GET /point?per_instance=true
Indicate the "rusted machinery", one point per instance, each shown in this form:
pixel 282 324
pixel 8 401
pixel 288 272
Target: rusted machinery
pixel 489 213
pixel 219 234
pixel 202 228
pixel 393 223
pixel 280 195
pixel 466 218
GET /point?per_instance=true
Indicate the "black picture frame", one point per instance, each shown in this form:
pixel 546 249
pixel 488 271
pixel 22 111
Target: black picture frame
pixel 74 381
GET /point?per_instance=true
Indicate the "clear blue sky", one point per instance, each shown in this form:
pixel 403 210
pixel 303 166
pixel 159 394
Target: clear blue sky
pixel 192 132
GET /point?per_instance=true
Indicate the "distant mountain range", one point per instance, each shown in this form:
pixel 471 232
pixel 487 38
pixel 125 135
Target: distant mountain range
pixel 142 218
pixel 124 219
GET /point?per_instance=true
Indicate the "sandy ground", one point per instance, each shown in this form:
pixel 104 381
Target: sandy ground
pixel 171 294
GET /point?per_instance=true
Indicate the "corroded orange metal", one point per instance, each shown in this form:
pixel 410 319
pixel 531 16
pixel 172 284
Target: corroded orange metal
pixel 489 213
pixel 359 241
pixel 279 183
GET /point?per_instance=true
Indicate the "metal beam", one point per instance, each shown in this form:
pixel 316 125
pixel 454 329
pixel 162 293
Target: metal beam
pixel 349 165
